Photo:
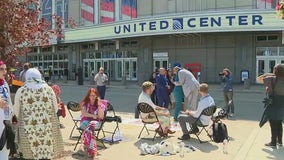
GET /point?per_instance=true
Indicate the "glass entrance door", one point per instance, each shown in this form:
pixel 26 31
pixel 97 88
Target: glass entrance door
pixel 266 64
pixel 161 62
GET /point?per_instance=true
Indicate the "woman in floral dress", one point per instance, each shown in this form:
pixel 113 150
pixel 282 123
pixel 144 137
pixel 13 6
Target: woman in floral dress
pixel 38 132
pixel 93 108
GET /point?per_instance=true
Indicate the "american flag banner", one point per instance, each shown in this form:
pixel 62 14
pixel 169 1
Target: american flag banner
pixel 264 4
pixel 107 11
pixel 129 9
pixel 87 11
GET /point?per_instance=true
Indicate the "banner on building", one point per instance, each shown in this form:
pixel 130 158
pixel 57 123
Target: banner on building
pixel 107 11
pixel 129 9
pixel 87 11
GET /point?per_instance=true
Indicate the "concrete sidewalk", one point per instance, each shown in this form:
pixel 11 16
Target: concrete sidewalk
pixel 247 139
pixel 247 143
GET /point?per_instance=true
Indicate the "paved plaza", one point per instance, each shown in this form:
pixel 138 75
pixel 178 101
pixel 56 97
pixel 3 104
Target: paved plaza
pixel 247 139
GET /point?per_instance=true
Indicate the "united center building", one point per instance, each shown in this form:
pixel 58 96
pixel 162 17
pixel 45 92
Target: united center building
pixel 245 36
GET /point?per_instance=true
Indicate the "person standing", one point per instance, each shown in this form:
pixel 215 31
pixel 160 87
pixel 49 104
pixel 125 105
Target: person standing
pixel 162 86
pixel 190 85
pixel 5 110
pixel 178 94
pixel 274 84
pixel 38 126
pixel 101 79
pixel 227 79
pixel 23 72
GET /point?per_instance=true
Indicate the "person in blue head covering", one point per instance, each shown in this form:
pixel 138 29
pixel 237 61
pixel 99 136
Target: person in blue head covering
pixel 178 92
pixel 190 86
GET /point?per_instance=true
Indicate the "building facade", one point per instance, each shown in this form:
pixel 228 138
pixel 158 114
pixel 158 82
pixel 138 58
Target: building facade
pixel 131 38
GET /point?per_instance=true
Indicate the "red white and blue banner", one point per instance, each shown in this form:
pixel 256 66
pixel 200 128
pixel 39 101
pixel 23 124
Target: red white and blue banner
pixel 87 11
pixel 107 11
pixel 129 9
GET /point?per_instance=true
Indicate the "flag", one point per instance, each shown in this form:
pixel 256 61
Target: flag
pixel 87 11
pixel 129 9
pixel 107 11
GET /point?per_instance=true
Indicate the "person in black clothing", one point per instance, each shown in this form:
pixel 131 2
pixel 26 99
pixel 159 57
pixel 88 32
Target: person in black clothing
pixel 275 89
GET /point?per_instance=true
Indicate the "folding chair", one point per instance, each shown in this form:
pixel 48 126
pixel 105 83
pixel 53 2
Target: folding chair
pixel 72 108
pixel 112 118
pixel 206 112
pixel 97 132
pixel 146 109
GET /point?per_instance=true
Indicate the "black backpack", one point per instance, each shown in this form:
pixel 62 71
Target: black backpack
pixel 220 132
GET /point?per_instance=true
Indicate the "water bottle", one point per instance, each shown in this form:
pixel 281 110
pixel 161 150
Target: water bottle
pixel 182 150
pixel 225 146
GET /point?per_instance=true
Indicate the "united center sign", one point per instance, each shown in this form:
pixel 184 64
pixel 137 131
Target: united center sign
pixel 265 21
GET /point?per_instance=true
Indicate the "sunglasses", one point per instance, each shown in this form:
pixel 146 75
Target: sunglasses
pixel 3 69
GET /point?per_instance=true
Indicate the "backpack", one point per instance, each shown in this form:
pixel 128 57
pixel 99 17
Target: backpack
pixel 220 132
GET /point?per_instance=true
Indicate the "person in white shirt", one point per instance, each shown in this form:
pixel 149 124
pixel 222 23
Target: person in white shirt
pixel 162 113
pixel 190 116
pixel 190 86
pixel 101 79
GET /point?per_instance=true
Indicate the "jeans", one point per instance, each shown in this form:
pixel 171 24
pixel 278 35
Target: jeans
pixel 228 96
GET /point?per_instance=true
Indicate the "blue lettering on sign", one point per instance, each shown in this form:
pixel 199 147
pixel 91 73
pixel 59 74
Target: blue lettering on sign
pixel 152 26
pixel 204 22
pixel 215 22
pixel 257 18
pixel 164 24
pixel 230 18
pixel 243 20
pixel 191 22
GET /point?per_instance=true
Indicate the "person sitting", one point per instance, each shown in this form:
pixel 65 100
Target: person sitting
pixel 190 116
pixel 162 113
pixel 92 110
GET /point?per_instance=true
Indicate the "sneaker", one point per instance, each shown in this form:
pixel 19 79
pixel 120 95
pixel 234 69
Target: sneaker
pixel 270 144
pixel 231 115
pixel 184 137
pixel 280 144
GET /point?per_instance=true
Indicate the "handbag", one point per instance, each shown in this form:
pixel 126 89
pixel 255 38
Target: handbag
pixel 264 117
pixel 268 100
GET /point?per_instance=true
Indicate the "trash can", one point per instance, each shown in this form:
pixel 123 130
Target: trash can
pixel 80 76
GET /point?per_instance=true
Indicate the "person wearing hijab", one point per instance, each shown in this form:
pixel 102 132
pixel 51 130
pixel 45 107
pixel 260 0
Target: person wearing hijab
pixel 5 111
pixel 38 126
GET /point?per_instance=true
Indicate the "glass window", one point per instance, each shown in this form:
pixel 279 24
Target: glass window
pixel 281 51
pixel 98 55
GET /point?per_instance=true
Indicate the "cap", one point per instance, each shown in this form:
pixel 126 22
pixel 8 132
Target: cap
pixel 177 64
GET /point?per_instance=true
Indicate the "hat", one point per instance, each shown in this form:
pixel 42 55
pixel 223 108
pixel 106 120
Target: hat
pixel 177 64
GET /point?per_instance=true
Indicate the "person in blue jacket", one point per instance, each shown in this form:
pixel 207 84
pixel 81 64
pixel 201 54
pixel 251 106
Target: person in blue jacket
pixel 162 86
pixel 227 79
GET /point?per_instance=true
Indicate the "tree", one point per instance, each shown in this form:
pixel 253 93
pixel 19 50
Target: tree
pixel 21 28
